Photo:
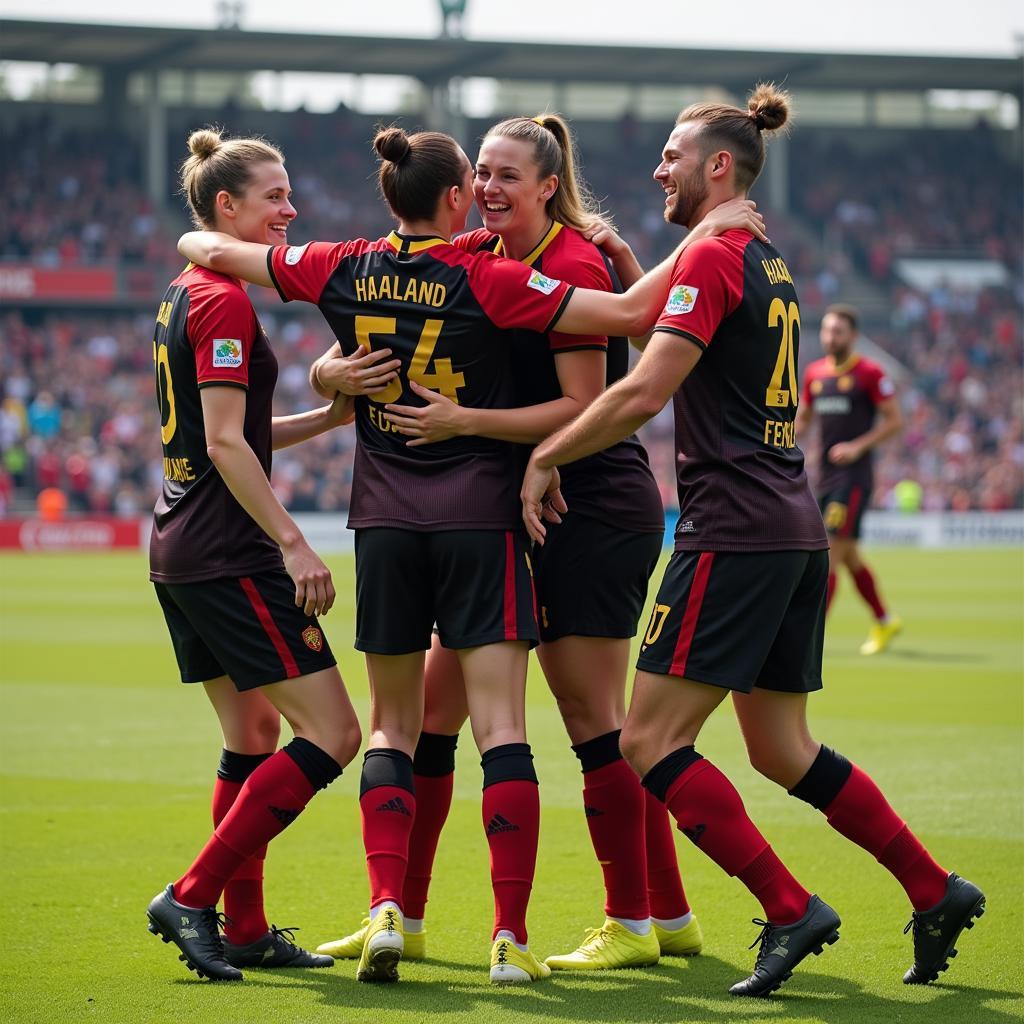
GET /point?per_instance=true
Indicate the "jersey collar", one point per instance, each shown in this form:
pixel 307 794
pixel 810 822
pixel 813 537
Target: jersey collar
pixel 838 369
pixel 411 244
pixel 535 254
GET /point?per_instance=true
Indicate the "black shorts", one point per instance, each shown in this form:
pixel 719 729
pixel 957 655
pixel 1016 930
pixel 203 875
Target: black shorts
pixel 477 585
pixel 592 578
pixel 842 509
pixel 244 627
pixel 740 620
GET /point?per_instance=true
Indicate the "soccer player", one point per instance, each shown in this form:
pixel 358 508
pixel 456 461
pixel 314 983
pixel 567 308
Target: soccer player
pixel 437 527
pixel 239 586
pixel 856 405
pixel 741 607
pixel 591 577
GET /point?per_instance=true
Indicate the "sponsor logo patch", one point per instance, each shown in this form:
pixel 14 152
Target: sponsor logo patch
pixel 885 388
pixel 227 352
pixel 681 299
pixel 294 254
pixel 313 638
pixel 538 282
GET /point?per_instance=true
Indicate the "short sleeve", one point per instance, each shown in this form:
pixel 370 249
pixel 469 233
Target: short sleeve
pixel 302 271
pixel 512 294
pixel 221 328
pixel 588 271
pixel 879 385
pixel 707 285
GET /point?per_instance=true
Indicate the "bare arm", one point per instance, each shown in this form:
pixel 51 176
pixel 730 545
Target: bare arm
pixel 224 419
pixel 620 411
pixel 289 430
pixel 635 311
pixel 888 424
pixel 227 255
pixel 581 377
pixel 804 418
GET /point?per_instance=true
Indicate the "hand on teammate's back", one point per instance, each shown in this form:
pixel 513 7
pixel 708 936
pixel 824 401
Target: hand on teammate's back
pixel 314 589
pixel 735 214
pixel 362 373
pixel 438 420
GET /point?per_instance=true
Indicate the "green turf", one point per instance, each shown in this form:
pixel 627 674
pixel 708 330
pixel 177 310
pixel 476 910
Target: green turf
pixel 107 765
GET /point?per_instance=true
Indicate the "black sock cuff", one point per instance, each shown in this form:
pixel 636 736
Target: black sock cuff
pixel 316 764
pixel 660 778
pixel 238 767
pixel 435 755
pixel 383 766
pixel 598 752
pixel 826 776
pixel 508 763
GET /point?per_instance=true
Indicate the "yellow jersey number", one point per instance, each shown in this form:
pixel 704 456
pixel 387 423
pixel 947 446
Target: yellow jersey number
pixel 165 393
pixel 442 378
pixel 777 396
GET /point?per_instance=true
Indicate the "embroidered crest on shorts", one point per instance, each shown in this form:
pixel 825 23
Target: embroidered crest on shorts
pixel 313 638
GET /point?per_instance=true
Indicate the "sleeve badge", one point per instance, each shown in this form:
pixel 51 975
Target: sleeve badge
pixel 681 299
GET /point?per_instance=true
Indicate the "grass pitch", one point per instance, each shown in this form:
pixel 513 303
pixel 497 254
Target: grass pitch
pixel 107 765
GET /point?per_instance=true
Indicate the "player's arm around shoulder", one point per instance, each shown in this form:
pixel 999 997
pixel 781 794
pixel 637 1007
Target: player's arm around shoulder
pixel 227 255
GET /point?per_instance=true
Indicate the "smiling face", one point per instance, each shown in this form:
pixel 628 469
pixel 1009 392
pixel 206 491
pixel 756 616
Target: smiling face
pixel 263 212
pixel 509 192
pixel 683 175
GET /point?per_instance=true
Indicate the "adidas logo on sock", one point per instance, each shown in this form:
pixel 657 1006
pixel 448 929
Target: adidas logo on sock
pixel 395 805
pixel 592 812
pixel 499 824
pixel 695 834
pixel 283 814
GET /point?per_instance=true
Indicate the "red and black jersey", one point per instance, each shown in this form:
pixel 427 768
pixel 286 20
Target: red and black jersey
pixel 615 486
pixel 444 313
pixel 207 335
pixel 742 484
pixel 845 399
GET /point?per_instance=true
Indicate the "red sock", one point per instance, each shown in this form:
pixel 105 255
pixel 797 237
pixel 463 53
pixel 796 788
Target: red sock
pixel 866 586
pixel 433 801
pixel 664 885
pixel 268 802
pixel 711 814
pixel 511 814
pixel 613 800
pixel 388 816
pixel 243 894
pixel 830 591
pixel 861 813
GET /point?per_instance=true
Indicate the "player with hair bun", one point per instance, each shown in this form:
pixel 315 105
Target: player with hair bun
pixel 591 577
pixel 239 586
pixel 741 608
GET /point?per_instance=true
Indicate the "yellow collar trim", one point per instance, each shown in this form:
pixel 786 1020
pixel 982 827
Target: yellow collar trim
pixel 411 246
pixel 535 254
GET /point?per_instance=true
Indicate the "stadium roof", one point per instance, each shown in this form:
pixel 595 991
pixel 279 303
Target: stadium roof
pixel 132 47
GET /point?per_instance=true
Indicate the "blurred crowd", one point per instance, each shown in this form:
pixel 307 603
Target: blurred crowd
pixel 78 412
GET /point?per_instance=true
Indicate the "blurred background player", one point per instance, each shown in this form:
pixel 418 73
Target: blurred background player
pixel 741 608
pixel 239 586
pixel 855 403
pixel 591 576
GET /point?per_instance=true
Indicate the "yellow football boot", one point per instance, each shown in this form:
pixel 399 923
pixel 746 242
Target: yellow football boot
pixel 382 948
pixel 881 635
pixel 511 965
pixel 612 945
pixel 685 941
pixel 351 946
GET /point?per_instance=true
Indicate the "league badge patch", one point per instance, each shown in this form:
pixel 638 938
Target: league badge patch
pixel 227 352
pixel 681 299
pixel 538 282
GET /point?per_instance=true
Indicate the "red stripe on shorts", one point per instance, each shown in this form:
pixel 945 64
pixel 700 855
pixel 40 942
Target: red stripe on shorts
pixel 856 496
pixel 291 669
pixel 693 604
pixel 511 630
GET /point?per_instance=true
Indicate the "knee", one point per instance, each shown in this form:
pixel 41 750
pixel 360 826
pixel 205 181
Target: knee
pixel 633 744
pixel 783 765
pixel 266 730
pixel 345 741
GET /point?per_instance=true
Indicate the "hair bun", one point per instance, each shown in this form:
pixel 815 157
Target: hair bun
pixel 768 107
pixel 204 143
pixel 392 144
